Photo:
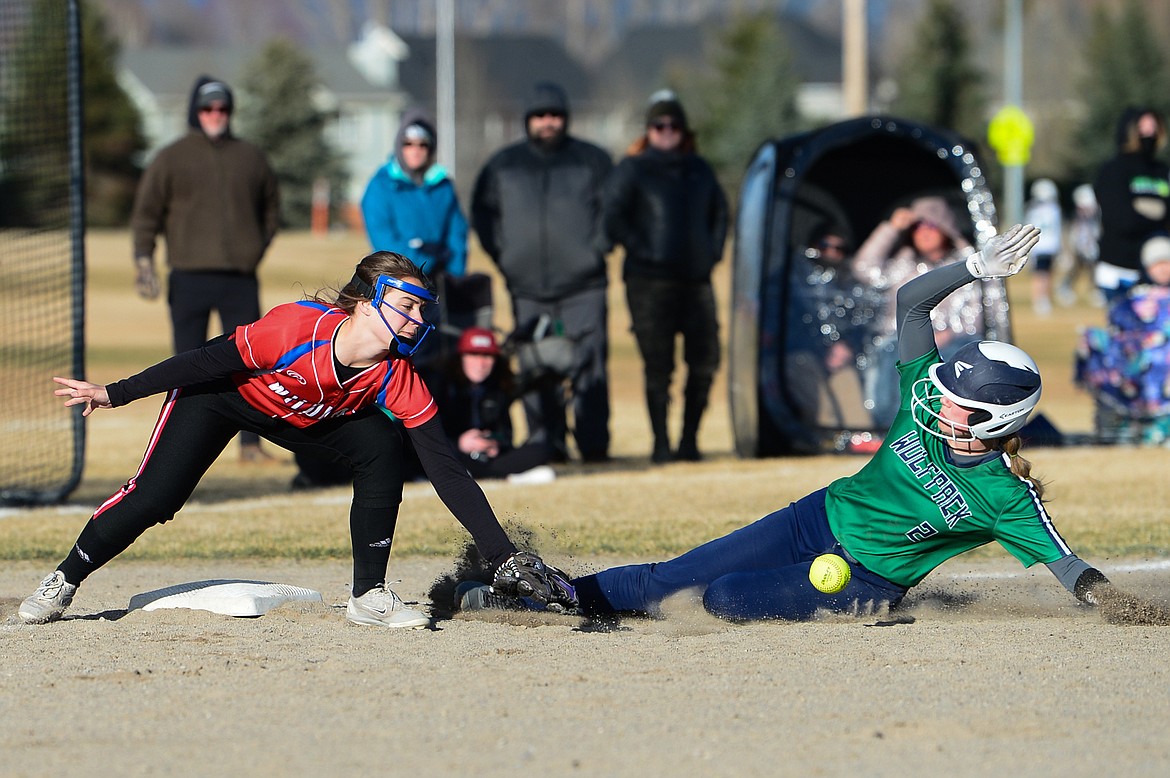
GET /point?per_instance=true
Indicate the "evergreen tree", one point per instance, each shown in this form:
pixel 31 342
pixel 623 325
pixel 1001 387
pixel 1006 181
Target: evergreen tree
pixel 1124 67
pixel 937 82
pixel 112 135
pixel 34 119
pixel 750 97
pixel 280 117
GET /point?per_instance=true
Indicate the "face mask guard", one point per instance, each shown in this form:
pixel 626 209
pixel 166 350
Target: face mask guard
pixel 377 294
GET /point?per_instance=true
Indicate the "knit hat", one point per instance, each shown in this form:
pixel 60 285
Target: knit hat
pixel 478 340
pixel 1155 250
pixel 665 102
pixel 419 133
pixel 213 92
pixel 1044 190
pixel 546 97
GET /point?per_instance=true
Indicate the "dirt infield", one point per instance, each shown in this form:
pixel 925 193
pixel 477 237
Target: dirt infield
pixel 989 670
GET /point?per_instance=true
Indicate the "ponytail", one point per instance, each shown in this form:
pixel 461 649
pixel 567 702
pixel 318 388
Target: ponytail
pixel 1020 466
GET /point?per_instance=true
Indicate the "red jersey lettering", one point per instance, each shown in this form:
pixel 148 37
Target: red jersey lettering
pixel 290 353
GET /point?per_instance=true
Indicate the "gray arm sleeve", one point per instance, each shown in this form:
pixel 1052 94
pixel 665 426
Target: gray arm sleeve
pixel 917 298
pixel 1068 569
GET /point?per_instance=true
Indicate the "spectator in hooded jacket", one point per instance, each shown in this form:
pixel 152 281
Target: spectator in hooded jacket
pixel 910 242
pixel 410 207
pixel 664 205
pixel 214 198
pixel 536 207
pixel 1133 191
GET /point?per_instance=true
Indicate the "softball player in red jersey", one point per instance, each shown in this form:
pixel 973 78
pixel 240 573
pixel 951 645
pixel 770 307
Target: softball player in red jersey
pixel 312 375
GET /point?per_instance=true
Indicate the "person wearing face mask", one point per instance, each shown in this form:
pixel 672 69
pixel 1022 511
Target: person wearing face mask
pixel 329 373
pixel 1133 192
pixel 949 478
pixel 215 200
pixel 536 207
pixel 665 206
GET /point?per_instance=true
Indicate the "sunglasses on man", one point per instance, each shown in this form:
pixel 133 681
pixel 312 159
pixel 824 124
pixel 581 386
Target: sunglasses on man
pixel 666 127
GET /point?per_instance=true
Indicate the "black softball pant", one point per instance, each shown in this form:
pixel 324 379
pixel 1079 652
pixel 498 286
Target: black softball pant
pixel 193 295
pixel 195 426
pixel 662 309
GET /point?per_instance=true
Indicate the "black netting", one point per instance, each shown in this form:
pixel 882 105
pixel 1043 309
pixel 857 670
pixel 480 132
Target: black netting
pixel 41 264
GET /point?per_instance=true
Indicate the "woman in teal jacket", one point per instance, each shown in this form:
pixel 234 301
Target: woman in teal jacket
pixel 410 206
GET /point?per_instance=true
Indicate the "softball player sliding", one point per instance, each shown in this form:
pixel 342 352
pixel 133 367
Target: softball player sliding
pixel 309 376
pixel 947 478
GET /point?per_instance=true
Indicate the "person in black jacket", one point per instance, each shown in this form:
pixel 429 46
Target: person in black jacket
pixel 536 207
pixel 664 205
pixel 1133 191
pixel 474 397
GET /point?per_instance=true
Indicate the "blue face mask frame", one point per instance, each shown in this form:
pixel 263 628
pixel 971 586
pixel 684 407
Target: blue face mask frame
pixel 377 294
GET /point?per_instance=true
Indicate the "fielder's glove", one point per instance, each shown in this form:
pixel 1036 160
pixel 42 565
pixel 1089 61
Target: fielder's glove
pixel 1004 255
pixel 524 574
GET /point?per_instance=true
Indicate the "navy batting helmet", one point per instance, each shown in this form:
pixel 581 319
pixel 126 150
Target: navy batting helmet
pixel 999 381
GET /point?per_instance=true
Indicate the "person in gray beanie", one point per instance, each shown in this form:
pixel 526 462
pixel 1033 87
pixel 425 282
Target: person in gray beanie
pixel 214 198
pixel 536 207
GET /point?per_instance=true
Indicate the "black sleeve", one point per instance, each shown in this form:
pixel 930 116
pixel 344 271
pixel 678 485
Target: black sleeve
pixel 459 491
pixel 485 209
pixel 217 359
pixel 917 298
pixel 719 220
pixel 617 193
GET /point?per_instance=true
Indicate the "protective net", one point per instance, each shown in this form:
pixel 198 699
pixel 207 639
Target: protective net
pixel 41 259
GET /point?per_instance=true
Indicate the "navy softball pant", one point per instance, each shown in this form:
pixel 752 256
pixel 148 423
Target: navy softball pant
pixel 195 426
pixel 757 572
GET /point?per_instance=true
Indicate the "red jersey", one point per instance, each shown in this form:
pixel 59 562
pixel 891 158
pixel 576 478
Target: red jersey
pixel 290 353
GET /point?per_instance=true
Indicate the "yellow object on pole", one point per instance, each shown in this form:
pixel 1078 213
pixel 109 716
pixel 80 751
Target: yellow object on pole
pixel 1011 134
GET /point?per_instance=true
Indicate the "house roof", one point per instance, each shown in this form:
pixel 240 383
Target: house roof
pixel 173 70
pixel 495 73
pixel 646 58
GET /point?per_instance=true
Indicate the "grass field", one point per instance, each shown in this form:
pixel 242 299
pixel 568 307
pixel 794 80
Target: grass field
pixel 1108 501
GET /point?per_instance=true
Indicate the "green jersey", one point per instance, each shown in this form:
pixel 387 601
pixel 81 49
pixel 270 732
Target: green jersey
pixel 911 507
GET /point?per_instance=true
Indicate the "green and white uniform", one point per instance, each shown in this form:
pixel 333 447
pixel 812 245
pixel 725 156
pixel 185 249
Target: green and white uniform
pixel 912 507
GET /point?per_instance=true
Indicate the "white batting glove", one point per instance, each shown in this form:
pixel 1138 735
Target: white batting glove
pixel 1004 255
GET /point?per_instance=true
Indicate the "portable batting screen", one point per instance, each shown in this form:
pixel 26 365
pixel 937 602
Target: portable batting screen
pixel 42 271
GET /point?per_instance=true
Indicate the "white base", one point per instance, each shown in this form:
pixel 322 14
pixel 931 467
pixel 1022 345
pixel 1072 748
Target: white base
pixel 228 597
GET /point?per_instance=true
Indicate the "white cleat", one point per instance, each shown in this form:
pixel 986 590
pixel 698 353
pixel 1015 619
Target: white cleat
pixel 381 607
pixel 49 601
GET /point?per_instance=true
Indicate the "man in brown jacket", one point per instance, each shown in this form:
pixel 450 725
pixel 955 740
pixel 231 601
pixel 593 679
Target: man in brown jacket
pixel 214 199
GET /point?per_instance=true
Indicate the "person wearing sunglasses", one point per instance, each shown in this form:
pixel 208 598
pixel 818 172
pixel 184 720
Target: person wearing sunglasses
pixel 215 200
pixel 828 314
pixel 322 374
pixel 665 206
pixel 410 207
pixel 536 207
pixel 913 240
